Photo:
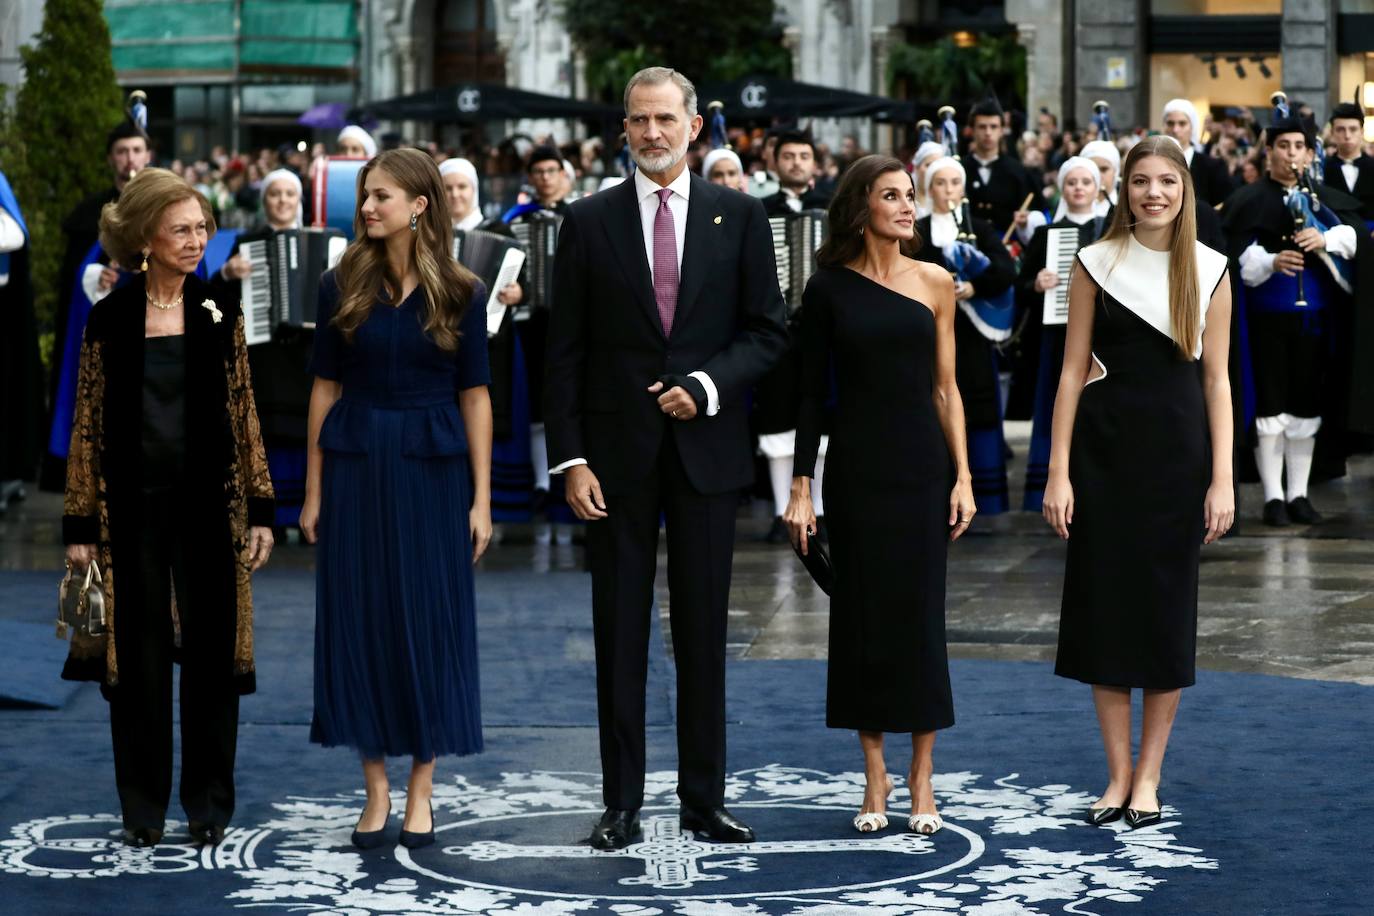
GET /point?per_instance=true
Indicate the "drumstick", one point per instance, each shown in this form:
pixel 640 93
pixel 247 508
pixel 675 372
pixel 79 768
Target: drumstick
pixel 1025 205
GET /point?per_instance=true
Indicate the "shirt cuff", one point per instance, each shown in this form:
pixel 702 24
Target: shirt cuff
pixel 1340 242
pixel 1034 220
pixel 11 236
pixel 712 396
pixel 570 463
pixel 90 283
pixel 1256 265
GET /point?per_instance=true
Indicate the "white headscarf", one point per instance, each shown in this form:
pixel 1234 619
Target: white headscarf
pixel 362 136
pixel 289 176
pixel 1104 149
pixel 1071 163
pixel 464 167
pixel 1186 107
pixel 926 152
pixel 944 163
pixel 715 156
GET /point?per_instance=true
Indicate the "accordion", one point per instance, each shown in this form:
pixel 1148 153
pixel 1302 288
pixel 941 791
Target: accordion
pixel 335 193
pixel 284 285
pixel 796 238
pixel 538 232
pixel 495 259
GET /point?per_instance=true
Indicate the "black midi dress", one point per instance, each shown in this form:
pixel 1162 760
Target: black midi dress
pixel 887 485
pixel 1140 462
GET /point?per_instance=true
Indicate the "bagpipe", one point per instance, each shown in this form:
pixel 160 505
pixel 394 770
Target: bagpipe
pixel 993 316
pixel 1306 208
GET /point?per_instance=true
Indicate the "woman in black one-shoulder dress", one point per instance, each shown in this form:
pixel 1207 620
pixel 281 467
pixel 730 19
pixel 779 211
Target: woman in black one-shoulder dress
pixel 896 470
pixel 1140 464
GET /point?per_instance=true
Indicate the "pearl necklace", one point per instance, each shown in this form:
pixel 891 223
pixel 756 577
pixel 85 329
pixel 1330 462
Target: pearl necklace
pixel 165 306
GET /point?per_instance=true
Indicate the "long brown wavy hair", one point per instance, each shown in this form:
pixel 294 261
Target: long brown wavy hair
pixel 1185 305
pixel 365 276
pixel 849 212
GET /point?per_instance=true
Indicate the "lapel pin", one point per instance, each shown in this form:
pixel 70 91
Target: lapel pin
pixel 717 220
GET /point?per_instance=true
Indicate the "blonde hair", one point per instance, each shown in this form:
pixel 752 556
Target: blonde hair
pixel 1185 300
pixel 364 274
pixel 128 225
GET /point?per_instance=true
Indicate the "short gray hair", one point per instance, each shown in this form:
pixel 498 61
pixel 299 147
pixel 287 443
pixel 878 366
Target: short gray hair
pixel 654 76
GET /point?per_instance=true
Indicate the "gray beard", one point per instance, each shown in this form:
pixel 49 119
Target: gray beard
pixel 657 165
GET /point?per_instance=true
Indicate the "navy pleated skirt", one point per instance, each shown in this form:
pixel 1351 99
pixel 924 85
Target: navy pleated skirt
pixel 395 634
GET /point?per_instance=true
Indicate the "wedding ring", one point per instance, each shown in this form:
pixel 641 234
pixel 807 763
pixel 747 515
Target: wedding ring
pixel 675 414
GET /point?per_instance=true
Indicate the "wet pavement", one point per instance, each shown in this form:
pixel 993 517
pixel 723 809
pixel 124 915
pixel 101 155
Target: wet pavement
pixel 1294 601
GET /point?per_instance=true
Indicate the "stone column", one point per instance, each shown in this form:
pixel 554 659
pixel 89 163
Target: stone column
pixel 1309 53
pixel 1040 30
pixel 792 41
pixel 882 38
pixel 1111 63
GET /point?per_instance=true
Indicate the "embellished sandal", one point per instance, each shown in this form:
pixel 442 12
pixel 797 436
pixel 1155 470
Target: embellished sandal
pixel 925 824
pixel 872 821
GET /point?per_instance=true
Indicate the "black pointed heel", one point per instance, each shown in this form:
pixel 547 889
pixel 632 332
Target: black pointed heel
pixel 1137 819
pixel 415 840
pixel 371 839
pixel 1099 816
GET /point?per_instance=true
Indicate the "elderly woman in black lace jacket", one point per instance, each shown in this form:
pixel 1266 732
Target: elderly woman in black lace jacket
pixel 167 489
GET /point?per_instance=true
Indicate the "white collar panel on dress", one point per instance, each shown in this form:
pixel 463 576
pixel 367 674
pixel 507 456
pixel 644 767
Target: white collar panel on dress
pixel 1138 279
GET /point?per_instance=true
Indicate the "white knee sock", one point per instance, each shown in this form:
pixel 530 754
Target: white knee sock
pixel 1298 454
pixel 1269 459
pixel 817 501
pixel 780 476
pixel 539 457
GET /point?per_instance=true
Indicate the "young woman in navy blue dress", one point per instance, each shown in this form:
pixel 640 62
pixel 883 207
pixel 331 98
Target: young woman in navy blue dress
pixel 1140 464
pixel 398 491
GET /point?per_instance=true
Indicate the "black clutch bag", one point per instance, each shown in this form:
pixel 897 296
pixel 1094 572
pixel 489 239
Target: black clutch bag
pixel 817 563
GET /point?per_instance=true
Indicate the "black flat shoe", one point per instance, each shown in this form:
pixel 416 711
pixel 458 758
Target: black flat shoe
pixel 371 839
pixel 616 829
pixel 1137 819
pixel 206 834
pixel 718 824
pixel 1099 816
pixel 412 839
pixel 142 837
pixel 1301 512
pixel 1275 513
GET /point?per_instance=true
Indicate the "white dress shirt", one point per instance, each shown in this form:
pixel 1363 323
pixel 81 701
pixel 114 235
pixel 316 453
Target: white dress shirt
pixel 646 190
pixel 11 239
pixel 1351 173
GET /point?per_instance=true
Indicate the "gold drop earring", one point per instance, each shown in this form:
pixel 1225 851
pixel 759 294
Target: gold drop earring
pixel 144 266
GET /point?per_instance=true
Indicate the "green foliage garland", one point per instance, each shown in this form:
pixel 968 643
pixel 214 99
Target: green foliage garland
pixel 942 72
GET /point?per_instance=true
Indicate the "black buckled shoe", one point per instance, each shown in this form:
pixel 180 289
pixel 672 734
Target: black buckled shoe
pixel 142 837
pixel 616 829
pixel 1300 511
pixel 1275 513
pixel 718 824
pixel 206 834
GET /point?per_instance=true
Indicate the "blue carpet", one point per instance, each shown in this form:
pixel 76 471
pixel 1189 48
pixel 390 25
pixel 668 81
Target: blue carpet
pixel 28 614
pixel 1266 795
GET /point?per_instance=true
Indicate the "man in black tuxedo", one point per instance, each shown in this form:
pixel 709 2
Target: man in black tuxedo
pixel 667 312
pixel 998 184
pixel 1211 181
pixel 1351 170
pixel 795 155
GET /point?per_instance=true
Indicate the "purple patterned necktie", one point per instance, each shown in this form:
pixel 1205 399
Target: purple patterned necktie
pixel 665 262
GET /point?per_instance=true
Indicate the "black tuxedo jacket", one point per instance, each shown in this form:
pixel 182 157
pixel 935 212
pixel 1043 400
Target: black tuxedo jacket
pixel 998 199
pixel 1364 182
pixel 606 342
pixel 1211 182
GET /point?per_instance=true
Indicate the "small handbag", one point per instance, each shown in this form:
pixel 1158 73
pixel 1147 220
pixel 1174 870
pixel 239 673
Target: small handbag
pixel 817 562
pixel 81 603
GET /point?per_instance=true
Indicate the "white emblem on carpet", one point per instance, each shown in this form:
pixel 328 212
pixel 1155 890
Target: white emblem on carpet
pixel 511 848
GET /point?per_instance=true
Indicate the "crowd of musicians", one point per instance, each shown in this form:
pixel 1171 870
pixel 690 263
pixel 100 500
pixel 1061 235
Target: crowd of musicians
pixel 1003 210
pixel 404 366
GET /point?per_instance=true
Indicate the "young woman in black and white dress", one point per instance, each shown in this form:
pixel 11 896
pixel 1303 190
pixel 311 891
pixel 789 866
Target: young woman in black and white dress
pixel 1140 465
